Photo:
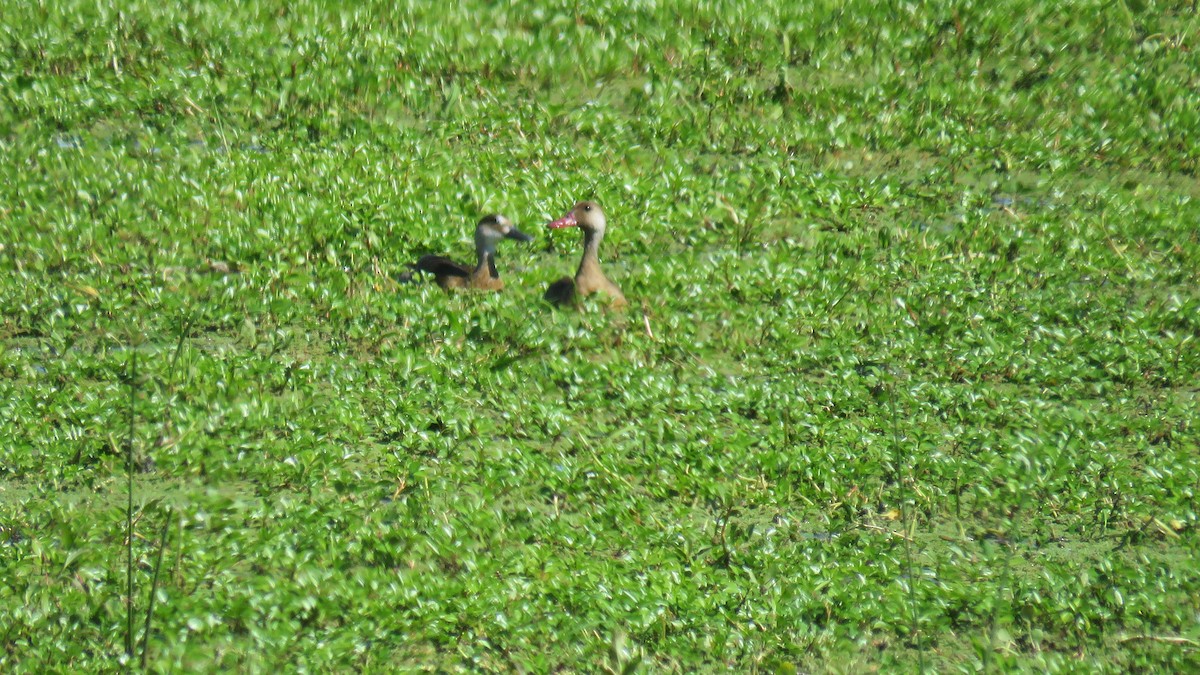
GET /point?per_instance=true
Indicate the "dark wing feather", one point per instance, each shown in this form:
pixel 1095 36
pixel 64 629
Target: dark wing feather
pixel 491 257
pixel 561 292
pixel 441 266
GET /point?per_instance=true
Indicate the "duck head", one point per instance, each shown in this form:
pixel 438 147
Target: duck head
pixel 587 216
pixel 492 229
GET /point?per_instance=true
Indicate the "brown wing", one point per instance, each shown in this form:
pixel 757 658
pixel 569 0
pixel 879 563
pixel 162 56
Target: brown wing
pixel 561 292
pixel 440 266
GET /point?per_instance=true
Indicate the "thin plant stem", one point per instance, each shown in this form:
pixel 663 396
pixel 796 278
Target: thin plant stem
pixel 129 507
pixel 901 458
pixel 162 546
pixel 183 331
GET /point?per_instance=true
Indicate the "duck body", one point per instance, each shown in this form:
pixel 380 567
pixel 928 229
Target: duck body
pixel 451 275
pixel 589 279
pixel 484 276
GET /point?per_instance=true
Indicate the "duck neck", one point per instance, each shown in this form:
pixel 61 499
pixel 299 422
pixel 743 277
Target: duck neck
pixel 589 265
pixel 485 262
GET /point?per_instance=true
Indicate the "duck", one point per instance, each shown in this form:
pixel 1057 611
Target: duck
pixel 488 233
pixel 589 279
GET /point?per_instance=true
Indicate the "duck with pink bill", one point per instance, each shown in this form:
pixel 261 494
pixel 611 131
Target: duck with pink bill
pixel 589 279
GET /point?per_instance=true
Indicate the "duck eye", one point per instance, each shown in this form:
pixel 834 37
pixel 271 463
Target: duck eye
pixel 587 207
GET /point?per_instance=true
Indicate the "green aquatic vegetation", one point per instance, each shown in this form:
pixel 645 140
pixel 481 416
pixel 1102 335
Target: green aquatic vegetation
pixel 908 379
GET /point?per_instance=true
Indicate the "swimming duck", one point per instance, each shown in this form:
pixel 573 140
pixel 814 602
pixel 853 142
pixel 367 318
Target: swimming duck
pixel 449 274
pixel 589 279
